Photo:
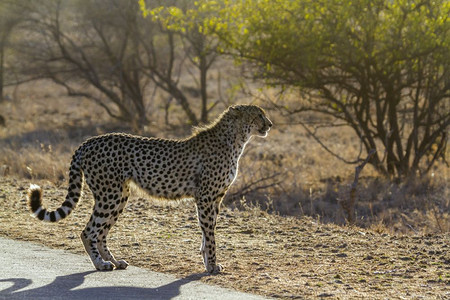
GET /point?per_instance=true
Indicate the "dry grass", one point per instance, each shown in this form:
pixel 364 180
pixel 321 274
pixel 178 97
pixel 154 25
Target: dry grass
pixel 287 173
pixel 303 253
pixel 283 257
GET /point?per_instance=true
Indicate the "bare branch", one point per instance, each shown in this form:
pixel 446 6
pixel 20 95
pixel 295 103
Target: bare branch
pixel 317 139
pixel 349 204
pixel 256 185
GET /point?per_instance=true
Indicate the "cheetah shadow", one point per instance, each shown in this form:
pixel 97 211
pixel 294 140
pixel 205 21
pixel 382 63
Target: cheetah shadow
pixel 65 287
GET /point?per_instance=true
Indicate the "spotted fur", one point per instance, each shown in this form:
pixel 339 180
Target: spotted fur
pixel 202 166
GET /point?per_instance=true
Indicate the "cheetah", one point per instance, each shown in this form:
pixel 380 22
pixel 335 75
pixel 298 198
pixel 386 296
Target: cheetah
pixel 202 166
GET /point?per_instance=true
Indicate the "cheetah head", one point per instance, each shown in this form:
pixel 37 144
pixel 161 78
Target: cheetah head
pixel 254 119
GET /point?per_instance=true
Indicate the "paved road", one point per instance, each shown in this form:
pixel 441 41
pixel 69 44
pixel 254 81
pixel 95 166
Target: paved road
pixel 30 271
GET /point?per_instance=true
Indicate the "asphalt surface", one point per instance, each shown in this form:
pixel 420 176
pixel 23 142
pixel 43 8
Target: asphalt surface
pixel 30 271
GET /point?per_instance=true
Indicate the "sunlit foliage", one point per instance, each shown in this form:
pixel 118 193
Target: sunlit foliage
pixel 381 66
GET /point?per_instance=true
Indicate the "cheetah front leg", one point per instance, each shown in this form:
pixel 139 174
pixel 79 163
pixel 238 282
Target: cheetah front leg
pixel 207 216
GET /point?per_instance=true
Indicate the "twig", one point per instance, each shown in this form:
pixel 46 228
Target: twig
pixel 349 206
pixel 437 219
pixel 317 139
pixel 254 186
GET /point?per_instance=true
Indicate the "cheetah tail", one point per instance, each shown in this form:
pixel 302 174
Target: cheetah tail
pixel 34 198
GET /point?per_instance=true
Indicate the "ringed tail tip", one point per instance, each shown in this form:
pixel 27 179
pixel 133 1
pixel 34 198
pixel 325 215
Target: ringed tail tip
pixel 35 199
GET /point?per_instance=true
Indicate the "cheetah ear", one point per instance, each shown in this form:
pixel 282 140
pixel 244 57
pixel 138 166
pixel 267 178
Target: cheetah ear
pixel 236 108
pixel 233 110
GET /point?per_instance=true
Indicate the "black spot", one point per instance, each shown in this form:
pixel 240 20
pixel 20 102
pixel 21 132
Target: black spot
pixel 61 213
pixel 67 203
pixel 52 217
pixel 41 214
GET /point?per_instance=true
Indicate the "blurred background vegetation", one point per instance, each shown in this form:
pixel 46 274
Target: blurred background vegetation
pixel 340 79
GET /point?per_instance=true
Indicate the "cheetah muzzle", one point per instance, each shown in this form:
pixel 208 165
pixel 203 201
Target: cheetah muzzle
pixel 202 166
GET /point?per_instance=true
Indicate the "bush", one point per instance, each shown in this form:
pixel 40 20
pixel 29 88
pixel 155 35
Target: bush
pixel 381 67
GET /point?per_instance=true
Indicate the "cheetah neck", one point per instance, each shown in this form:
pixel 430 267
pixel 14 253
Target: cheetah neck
pixel 229 132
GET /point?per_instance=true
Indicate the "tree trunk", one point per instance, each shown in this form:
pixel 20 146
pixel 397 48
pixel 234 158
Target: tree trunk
pixel 182 100
pixel 2 68
pixel 203 89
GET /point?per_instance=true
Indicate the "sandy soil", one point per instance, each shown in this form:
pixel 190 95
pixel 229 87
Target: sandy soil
pixel 265 254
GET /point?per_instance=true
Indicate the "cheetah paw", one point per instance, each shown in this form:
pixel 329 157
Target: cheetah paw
pixel 215 269
pixel 121 264
pixel 105 266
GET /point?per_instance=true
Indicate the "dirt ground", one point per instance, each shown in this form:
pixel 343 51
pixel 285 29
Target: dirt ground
pixel 283 257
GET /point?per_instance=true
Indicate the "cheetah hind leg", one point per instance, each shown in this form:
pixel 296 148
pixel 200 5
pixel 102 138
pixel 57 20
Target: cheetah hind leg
pixel 96 247
pixel 95 233
pixel 90 243
pixel 102 246
pixel 108 256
